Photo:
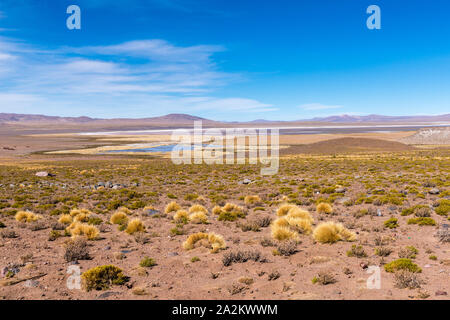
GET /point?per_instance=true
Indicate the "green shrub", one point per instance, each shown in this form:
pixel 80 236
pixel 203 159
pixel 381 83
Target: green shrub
pixel 100 278
pixel 402 264
pixel 147 262
pixel 422 221
pixel 443 208
pixel 391 223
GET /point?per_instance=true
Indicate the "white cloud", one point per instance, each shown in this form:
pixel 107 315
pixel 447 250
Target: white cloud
pixel 318 106
pixel 135 78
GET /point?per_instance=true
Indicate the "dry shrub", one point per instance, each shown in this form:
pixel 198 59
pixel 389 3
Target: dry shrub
pixel 80 229
pixel 27 216
pixel 198 208
pixel 324 207
pixel 287 248
pixel 198 217
pixel 76 249
pixel 240 257
pixel 172 207
pixel 407 279
pixel 330 232
pixel 212 240
pixel 65 219
pixel 324 278
pixel 134 226
pixel 118 218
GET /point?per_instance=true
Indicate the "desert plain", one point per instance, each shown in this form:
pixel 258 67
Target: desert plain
pixel 344 209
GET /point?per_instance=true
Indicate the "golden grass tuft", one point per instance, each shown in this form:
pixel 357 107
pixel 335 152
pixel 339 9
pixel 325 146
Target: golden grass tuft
pixel 291 222
pixel 217 210
pixel 284 209
pixel 125 210
pixel 82 217
pixel 252 200
pixel 27 216
pixel 198 217
pixel 181 216
pixel 324 207
pixel 215 241
pixel 331 232
pixel 172 207
pixel 75 212
pixel 283 233
pixel 65 219
pixel 80 229
pixel 134 226
pixel 198 208
pixel 118 217
pixel 297 212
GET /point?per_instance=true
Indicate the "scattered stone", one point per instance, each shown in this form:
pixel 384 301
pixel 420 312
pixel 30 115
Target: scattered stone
pixel 150 212
pixel 31 283
pixel 245 181
pixel 342 200
pixel 340 190
pixel 441 293
pixel 434 191
pixel 43 174
pixel 106 295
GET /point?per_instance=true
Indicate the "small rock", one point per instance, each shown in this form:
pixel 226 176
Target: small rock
pixel 43 174
pixel 441 293
pixel 31 283
pixel 434 191
pixel 340 190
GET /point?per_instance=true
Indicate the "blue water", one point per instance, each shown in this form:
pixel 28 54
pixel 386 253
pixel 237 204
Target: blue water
pixel 165 148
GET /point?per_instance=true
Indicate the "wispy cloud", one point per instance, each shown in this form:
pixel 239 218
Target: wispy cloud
pixel 318 106
pixel 135 78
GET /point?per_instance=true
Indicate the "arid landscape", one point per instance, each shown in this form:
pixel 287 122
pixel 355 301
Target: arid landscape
pixel 345 201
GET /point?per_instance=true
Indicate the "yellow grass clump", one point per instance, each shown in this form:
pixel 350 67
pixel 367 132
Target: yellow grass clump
pixel 118 217
pixel 181 216
pixel 284 209
pixel 212 240
pixel 324 207
pixel 291 222
pixel 252 200
pixel 82 217
pixel 217 210
pixel 331 232
pixel 135 225
pixel 81 229
pixel 297 212
pixel 27 216
pixel 198 217
pixel 125 210
pixel 75 212
pixel 283 233
pixel 172 207
pixel 198 208
pixel 65 219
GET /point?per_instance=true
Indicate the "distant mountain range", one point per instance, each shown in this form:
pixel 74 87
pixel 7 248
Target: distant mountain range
pixel 178 119
pixel 345 118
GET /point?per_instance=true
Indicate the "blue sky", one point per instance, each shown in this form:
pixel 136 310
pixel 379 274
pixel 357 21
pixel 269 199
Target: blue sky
pixel 224 60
